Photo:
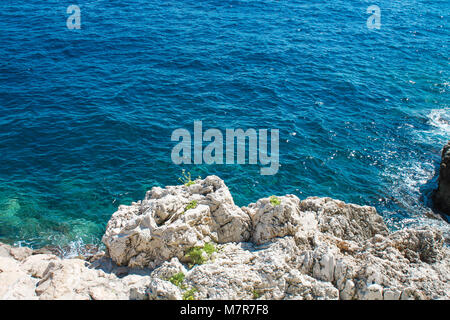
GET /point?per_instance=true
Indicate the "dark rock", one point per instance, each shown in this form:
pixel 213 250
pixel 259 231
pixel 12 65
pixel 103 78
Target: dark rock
pixel 441 197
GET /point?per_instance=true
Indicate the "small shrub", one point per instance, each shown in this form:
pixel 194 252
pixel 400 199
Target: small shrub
pixel 186 178
pixel 256 294
pixel 275 201
pixel 196 254
pixel 178 280
pixel 191 205
pixel 190 294
pixel 209 248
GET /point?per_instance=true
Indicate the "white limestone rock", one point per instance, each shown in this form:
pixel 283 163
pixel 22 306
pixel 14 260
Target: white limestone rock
pixel 72 279
pixel 304 287
pixel 161 227
pixel 36 265
pixel 15 284
pixel 318 248
pixel 246 271
pixel 168 269
pixel 345 221
pixel 271 220
pixel 163 290
pixel 137 286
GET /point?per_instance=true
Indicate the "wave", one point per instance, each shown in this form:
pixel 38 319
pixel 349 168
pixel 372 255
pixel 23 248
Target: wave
pixel 440 119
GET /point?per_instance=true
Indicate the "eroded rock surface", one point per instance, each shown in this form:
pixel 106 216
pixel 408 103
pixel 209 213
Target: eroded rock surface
pixel 170 221
pixel 276 248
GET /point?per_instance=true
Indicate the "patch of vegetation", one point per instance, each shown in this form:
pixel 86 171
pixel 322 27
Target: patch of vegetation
pixel 189 294
pixel 209 248
pixel 191 205
pixel 186 178
pixel 178 280
pixel 197 255
pixel 256 294
pixel 275 201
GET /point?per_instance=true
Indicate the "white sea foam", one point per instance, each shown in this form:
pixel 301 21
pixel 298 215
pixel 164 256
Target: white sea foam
pixel 79 247
pixel 410 178
pixel 440 119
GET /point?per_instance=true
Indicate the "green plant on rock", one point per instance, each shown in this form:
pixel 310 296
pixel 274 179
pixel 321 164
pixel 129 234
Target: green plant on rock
pixel 275 201
pixel 191 205
pixel 189 294
pixel 209 248
pixel 186 178
pixel 199 255
pixel 195 255
pixel 256 294
pixel 178 279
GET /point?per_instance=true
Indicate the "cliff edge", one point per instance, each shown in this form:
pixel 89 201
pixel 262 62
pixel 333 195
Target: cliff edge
pixel 441 197
pixel 192 242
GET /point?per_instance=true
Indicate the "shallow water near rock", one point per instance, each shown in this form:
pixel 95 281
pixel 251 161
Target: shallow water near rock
pixel 86 115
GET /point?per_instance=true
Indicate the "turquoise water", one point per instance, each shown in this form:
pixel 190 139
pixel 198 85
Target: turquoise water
pixel 86 115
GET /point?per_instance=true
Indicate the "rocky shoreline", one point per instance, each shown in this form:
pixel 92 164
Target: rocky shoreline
pixel 441 197
pixel 192 242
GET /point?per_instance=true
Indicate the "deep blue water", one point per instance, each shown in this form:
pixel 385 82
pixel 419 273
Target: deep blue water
pixel 86 115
